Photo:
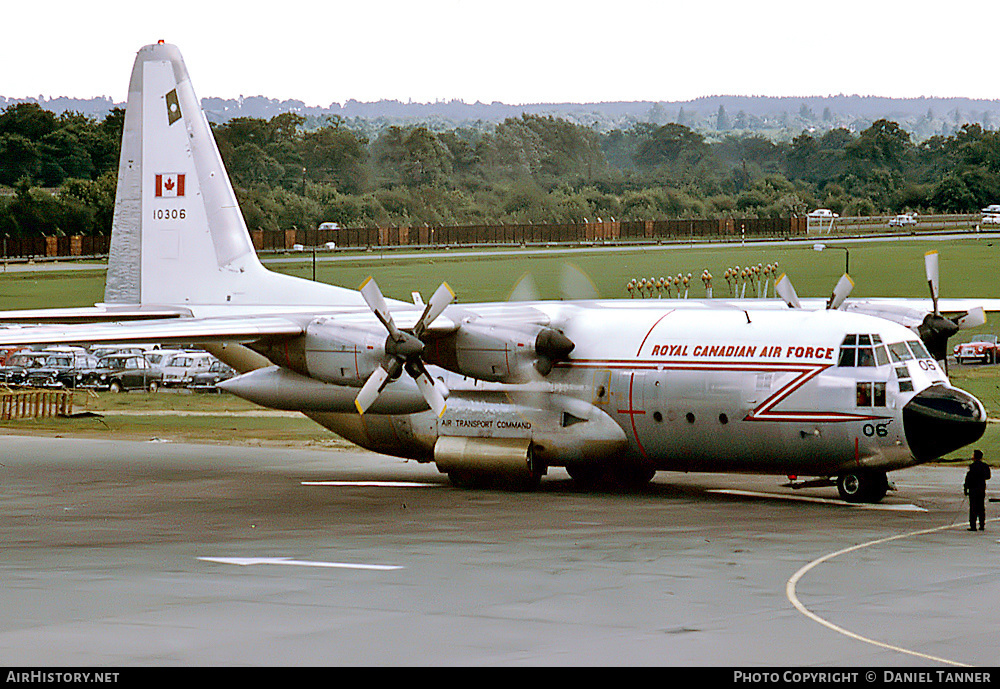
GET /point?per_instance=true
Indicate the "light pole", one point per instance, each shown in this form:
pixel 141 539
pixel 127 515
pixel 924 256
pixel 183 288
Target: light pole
pixel 847 255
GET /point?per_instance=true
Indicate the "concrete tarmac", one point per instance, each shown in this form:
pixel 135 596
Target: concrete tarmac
pixel 158 554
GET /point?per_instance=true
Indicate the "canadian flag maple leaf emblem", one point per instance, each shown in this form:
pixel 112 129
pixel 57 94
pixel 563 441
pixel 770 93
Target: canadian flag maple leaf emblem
pixel 170 184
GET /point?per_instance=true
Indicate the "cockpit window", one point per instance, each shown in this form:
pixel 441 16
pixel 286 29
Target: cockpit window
pixel 918 349
pixel 881 357
pixel 848 355
pixel 900 352
pixel 862 350
pixel 865 356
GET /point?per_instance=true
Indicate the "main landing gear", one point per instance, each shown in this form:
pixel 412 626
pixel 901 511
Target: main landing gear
pixel 862 486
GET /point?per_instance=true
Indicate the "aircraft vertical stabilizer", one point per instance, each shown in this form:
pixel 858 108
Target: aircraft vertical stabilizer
pixel 178 236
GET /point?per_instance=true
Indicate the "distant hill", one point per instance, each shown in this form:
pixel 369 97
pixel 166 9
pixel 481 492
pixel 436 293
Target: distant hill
pixel 715 116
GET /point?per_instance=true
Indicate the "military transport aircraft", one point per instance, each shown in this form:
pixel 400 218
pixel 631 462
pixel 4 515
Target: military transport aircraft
pixel 619 388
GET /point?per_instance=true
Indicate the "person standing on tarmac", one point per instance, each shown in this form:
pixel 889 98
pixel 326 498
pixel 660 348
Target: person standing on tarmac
pixel 975 488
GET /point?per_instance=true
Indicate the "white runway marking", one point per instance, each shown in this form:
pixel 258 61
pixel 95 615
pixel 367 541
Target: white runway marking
pixel 825 501
pixel 248 561
pixel 794 600
pixel 372 484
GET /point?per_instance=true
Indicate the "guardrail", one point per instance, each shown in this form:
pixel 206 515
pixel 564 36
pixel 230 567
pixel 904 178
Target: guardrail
pixel 35 404
pixel 454 235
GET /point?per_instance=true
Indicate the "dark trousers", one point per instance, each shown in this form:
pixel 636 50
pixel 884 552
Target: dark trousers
pixel 977 510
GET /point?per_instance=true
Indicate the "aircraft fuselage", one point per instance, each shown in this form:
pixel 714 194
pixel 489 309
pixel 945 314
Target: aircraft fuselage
pixel 697 389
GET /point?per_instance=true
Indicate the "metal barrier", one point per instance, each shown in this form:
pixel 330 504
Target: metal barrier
pixel 35 404
pixel 542 233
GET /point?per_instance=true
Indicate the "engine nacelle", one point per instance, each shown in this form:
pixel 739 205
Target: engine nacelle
pixel 330 352
pixel 279 388
pixel 499 353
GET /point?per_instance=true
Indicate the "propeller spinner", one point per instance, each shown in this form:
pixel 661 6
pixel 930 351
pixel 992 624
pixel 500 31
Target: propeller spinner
pixel 404 349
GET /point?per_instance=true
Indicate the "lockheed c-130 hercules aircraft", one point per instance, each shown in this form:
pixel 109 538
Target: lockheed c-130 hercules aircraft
pixel 840 391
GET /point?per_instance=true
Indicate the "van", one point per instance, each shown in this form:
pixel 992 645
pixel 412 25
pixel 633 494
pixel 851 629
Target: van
pixel 184 366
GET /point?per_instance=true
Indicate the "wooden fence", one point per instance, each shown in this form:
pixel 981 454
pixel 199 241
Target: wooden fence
pixel 35 404
pixel 458 235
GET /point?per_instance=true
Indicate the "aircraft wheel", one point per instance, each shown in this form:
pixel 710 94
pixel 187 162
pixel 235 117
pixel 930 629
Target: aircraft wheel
pixel 586 475
pixel 634 475
pixel 862 486
pixel 472 479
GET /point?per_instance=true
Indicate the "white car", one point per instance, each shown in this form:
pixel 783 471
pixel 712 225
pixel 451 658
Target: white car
pixel 183 367
pixel 158 358
pixel 902 220
pixel 991 219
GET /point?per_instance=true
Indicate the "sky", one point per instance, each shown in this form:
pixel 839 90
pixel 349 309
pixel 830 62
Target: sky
pixel 512 51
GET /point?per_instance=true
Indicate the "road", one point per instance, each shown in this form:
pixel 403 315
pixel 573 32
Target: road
pixel 143 553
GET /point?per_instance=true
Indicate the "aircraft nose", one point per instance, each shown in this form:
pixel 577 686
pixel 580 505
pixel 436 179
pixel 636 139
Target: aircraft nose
pixel 939 419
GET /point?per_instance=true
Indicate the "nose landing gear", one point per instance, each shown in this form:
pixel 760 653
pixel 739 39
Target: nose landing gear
pixel 863 486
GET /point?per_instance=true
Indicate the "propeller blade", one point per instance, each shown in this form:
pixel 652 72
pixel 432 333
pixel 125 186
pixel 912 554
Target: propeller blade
pixel 931 269
pixel 376 302
pixel 840 292
pixel 524 290
pixel 372 388
pixel 576 285
pixel 787 293
pixel 427 386
pixel 973 317
pixel 438 303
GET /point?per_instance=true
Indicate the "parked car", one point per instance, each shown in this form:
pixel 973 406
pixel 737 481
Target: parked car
pixel 183 367
pixel 991 219
pixel 205 382
pixel 158 358
pixel 15 372
pixel 992 209
pixel 825 213
pixel 902 220
pixel 123 372
pixel 8 352
pixel 982 348
pixel 64 367
pixel 108 350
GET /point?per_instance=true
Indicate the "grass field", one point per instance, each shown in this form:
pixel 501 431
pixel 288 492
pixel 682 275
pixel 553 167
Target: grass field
pixel 878 269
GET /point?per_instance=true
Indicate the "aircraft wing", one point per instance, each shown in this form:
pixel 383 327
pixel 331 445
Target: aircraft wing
pixel 180 330
pixel 100 313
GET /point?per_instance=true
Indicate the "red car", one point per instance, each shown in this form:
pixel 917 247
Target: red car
pixel 981 348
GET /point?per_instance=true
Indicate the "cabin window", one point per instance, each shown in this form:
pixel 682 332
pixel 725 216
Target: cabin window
pixel 871 394
pixel 903 375
pixel 864 396
pixel 878 394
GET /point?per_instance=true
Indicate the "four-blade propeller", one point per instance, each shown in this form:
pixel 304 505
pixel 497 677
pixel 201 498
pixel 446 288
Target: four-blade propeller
pixel 936 328
pixel 404 349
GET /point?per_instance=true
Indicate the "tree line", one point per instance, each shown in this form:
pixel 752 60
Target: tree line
pixel 60 171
